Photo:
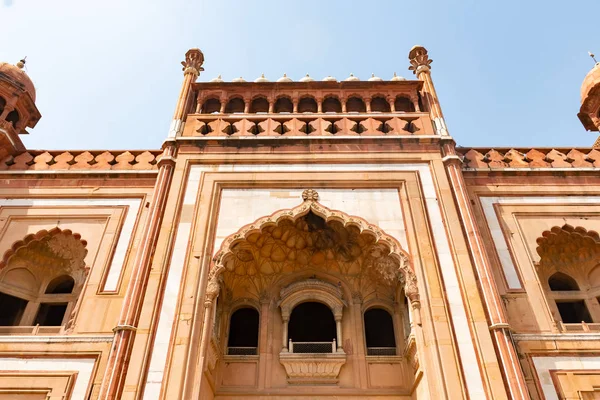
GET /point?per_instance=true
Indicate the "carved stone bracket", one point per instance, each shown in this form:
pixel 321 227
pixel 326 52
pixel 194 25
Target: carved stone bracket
pixel 312 369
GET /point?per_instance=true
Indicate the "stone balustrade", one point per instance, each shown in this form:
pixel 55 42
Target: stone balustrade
pixel 303 125
pixel 490 159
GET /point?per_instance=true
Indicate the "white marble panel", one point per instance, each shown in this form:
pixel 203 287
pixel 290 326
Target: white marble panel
pixel 543 366
pixel 83 366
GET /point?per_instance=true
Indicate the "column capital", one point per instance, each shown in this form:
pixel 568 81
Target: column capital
pixel 419 60
pixel 193 62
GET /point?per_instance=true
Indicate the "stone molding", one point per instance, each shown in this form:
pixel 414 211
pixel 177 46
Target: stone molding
pixel 311 290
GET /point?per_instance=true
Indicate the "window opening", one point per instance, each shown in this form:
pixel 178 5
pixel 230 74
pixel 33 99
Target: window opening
pixel 404 104
pixel 211 106
pixel 332 105
pixel 51 314
pixel 356 104
pixel 562 282
pixel 243 332
pixel 307 104
pixel 259 105
pixel 11 309
pixel 61 285
pixel 379 333
pixel 312 328
pixel 573 312
pixel 235 105
pixel 283 104
pixel 379 104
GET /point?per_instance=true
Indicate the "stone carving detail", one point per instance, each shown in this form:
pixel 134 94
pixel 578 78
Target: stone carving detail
pixel 532 158
pixel 54 249
pixel 81 161
pixel 312 370
pixel 193 62
pixel 310 195
pixel 311 237
pixel 419 60
pixel 567 247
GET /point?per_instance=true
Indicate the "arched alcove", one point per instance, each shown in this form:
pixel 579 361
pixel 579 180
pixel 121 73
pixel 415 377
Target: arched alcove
pixel 331 104
pixel 210 106
pixel 404 104
pixel 355 104
pixel 307 104
pixel 379 104
pixel 283 105
pixel 235 105
pixel 259 105
pixel 41 278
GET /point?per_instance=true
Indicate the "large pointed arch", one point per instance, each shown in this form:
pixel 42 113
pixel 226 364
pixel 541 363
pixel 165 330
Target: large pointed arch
pixel 387 246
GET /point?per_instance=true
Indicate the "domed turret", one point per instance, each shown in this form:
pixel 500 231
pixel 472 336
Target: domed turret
pixel 261 79
pixel 374 78
pixel 284 78
pixel 589 113
pixel 307 78
pixel 352 78
pixel 17 107
pixel 16 73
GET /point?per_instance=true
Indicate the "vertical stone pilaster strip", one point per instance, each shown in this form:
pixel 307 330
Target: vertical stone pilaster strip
pixel 125 331
pixel 499 327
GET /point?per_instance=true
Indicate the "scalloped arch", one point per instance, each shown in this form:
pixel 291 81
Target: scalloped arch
pixel 225 253
pixel 33 237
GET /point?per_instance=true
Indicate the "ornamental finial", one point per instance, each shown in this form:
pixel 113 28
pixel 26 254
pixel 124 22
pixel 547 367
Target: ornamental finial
pixel 419 60
pixel 193 62
pixel 310 195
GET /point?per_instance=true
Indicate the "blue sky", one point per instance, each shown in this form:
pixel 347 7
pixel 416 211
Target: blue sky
pixel 107 72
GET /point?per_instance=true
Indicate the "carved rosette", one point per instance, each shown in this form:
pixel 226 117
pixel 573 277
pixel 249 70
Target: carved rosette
pixel 310 195
pixel 419 60
pixel 193 62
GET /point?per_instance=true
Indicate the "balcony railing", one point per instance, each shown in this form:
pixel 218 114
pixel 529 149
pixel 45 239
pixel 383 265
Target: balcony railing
pixel 242 351
pixel 582 327
pixel 381 351
pixel 31 330
pixel 312 347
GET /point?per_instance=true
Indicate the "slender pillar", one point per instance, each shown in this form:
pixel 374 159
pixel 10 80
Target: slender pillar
pixel 284 334
pixel 499 327
pixel 420 62
pixel 338 328
pixel 125 331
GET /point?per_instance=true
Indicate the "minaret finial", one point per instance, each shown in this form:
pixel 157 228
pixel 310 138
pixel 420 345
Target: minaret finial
pixel 593 57
pixel 193 62
pixel 21 63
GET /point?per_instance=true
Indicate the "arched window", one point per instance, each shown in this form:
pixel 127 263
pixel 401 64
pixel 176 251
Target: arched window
pixel 284 104
pixel 307 104
pixel 312 328
pixel 235 105
pixel 356 104
pixel 211 106
pixel 259 105
pixel 562 282
pixel 13 117
pixel 39 286
pixel 379 104
pixel 332 105
pixel 379 333
pixel 61 285
pixel 243 332
pixel 404 104
pixel 2 104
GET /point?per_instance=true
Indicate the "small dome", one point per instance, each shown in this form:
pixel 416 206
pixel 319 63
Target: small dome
pixel 218 79
pixel 16 73
pixel 397 78
pixel 591 79
pixel 261 79
pixel 374 78
pixel 307 78
pixel 329 78
pixel 284 78
pixel 238 80
pixel 352 78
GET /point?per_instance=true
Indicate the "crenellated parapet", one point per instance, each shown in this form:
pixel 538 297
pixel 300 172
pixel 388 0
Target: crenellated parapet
pixel 510 158
pixel 84 161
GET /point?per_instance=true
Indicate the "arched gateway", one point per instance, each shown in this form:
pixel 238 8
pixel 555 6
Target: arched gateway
pixel 311 274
